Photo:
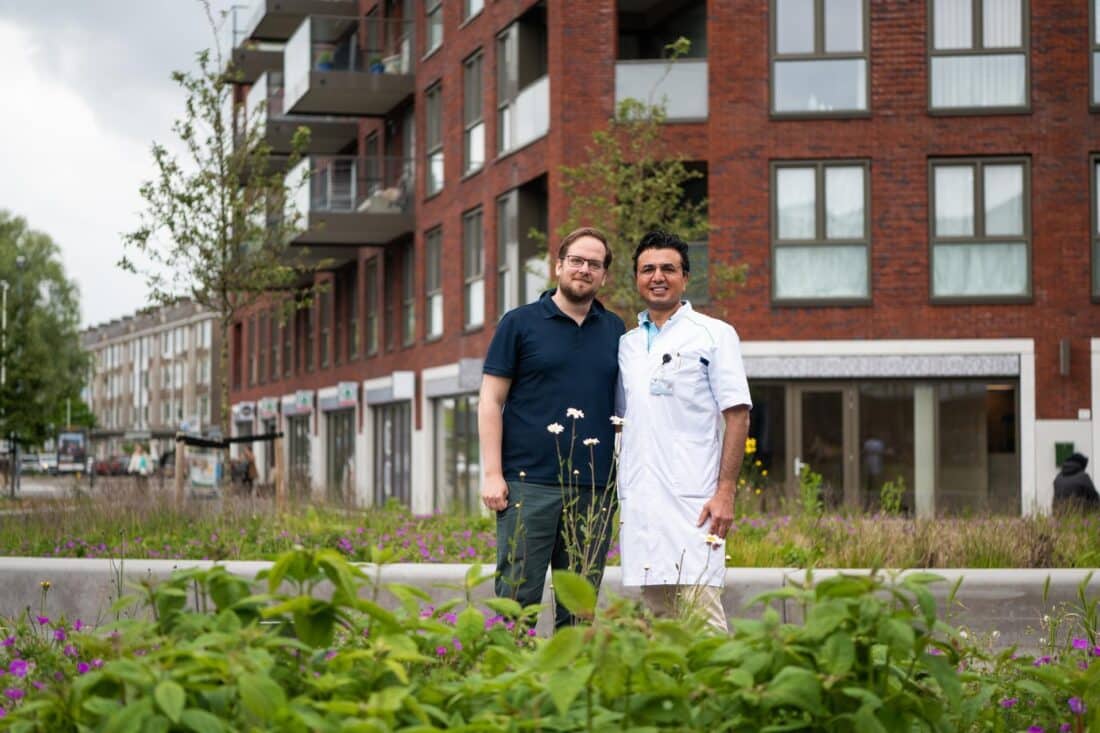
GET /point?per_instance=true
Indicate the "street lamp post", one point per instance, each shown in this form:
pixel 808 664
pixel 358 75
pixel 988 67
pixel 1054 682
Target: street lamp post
pixel 13 443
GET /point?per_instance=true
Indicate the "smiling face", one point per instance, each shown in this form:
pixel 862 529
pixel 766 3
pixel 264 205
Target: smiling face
pixel 580 284
pixel 661 279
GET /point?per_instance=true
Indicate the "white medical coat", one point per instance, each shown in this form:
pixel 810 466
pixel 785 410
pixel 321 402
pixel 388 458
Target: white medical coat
pixel 671 445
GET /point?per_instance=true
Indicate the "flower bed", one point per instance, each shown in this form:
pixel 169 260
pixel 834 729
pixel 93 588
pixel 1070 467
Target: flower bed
pixel 871 656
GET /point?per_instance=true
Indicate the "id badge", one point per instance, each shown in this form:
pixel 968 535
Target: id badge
pixel 660 386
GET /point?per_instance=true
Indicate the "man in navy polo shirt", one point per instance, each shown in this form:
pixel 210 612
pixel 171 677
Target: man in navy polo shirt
pixel 558 353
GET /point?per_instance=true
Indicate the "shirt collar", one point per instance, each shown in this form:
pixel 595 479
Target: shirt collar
pixel 645 322
pixel 550 309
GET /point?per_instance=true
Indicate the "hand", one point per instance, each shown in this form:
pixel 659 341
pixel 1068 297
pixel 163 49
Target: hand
pixel 494 493
pixel 720 512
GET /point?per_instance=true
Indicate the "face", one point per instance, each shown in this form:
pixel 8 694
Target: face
pixel 661 279
pixel 581 284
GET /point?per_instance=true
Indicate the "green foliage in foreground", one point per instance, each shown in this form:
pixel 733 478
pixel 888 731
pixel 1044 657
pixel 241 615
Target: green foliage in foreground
pixel 871 656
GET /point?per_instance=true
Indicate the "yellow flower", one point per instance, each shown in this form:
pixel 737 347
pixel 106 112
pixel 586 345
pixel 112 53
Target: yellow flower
pixel 45 584
pixel 764 472
pixel 741 482
pixel 750 446
pixel 757 463
pixel 758 492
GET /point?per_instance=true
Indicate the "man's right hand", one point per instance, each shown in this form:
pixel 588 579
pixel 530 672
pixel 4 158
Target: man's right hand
pixel 494 494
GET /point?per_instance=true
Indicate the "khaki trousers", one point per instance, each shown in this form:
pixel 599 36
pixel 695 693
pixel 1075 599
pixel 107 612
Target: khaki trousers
pixel 673 601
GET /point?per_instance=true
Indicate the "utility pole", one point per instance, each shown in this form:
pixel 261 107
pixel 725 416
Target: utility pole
pixel 13 443
pixel 4 364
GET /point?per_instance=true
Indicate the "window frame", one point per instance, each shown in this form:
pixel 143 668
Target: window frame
pixel 979 163
pixel 818 54
pixel 433 281
pixel 325 325
pixel 1094 222
pixel 273 345
pixel 433 102
pixel 468 279
pixel 468 14
pixel 408 295
pixel 819 165
pixel 1094 55
pixel 370 303
pixel 433 9
pixel 476 58
pixel 976 50
pixel 351 301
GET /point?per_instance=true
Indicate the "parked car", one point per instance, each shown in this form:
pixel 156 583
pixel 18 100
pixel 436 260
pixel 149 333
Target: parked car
pixel 48 463
pixel 28 463
pixel 112 466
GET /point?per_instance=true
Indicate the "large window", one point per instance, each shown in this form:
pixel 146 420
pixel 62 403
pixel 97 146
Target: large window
pixel 981 229
pixel 433 120
pixel 408 295
pixel 433 283
pixel 326 325
pixel 261 348
pixel 298 435
pixel 522 268
pixel 287 328
pixel 1094 43
pixel 457 469
pixel 979 55
pixel 273 342
pixel 351 300
pixel 339 454
pixel 433 22
pixel 1095 166
pixel 820 232
pixel 250 351
pixel 371 290
pixel 473 136
pixel 819 56
pixel 473 269
pixel 523 85
pixel 470 8
pixel 392 452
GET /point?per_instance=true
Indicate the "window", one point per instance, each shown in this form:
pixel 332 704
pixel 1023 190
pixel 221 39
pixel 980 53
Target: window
pixel 978 55
pixel 261 343
pixel 326 324
pixel 371 291
pixel 433 21
pixel 250 350
pixel 352 301
pixel 458 468
pixel 1096 226
pixel 288 345
pixel 408 295
pixel 473 269
pixel 470 8
pixel 273 342
pixel 433 119
pixel 1094 35
pixel 522 268
pixel 392 452
pixel 309 322
pixel 473 138
pixel 523 87
pixel 819 56
pixel 433 283
pixel 980 229
pixel 820 238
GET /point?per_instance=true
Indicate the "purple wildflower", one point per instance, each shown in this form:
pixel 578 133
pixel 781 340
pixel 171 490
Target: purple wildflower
pixel 330 655
pixel 1041 661
pixel 82 667
pixel 38 684
pixel 97 663
pixel 10 641
pixel 14 693
pixel 70 650
pixel 3 712
pixel 1077 705
pixel 1065 728
pixel 59 634
pixel 1009 702
pixel 457 645
pixel 42 620
pixel 18 667
pixel 1035 729
pixel 530 632
pixel 935 651
pixel 1080 643
pixel 78 625
pixel 450 618
pixel 441 650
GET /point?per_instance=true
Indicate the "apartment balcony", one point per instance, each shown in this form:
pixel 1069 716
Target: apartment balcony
pixel 276 20
pixel 264 105
pixel 351 200
pixel 251 59
pixel 359 67
pixel 681 86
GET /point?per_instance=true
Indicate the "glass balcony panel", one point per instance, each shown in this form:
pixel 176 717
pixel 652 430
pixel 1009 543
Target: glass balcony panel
pixel 532 117
pixel 475 147
pixel 975 270
pixel 979 81
pixel 826 85
pixel 819 272
pixel 682 90
pixel 297 61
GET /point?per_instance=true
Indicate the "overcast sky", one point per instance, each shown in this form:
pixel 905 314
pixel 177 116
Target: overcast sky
pixel 86 88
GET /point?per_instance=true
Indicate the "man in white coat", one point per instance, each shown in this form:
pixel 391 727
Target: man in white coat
pixel 685 405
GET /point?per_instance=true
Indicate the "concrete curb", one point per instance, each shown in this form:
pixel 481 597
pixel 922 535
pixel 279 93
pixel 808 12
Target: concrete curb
pixel 1009 601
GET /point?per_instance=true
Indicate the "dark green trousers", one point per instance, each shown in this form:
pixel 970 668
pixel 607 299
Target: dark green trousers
pixel 551 527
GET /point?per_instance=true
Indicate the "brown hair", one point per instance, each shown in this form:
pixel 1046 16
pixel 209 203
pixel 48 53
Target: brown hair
pixel 573 236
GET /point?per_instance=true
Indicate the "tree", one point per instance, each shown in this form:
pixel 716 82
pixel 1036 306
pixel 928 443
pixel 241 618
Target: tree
pixel 216 222
pixel 631 182
pixel 44 364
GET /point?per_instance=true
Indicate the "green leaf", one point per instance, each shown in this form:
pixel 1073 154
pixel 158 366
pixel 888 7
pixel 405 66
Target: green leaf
pixel 170 699
pixel 560 651
pixel 838 653
pixel 866 722
pixel 947 677
pixel 201 721
pixel 129 718
pixel 470 625
pixel 897 634
pixel 101 706
pixel 795 687
pixel 505 607
pixel 824 617
pixel 260 695
pixel 575 593
pixel 565 684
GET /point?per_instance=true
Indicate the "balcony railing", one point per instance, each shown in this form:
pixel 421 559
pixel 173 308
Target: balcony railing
pixel 264 106
pixel 681 86
pixel 351 66
pixel 276 20
pixel 346 199
pixel 528 117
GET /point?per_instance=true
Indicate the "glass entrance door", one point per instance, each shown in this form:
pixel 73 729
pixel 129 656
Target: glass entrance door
pixel 825 441
pixel 339 454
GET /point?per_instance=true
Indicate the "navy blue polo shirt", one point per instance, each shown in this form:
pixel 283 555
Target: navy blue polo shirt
pixel 555 364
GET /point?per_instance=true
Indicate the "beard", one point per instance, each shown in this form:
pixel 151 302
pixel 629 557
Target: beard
pixel 573 296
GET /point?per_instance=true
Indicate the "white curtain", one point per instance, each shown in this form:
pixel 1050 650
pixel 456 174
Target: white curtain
pixel 822 85
pixel 821 272
pixel 954 200
pixel 795 197
pixel 979 269
pixel 1002 23
pixel 1004 200
pixel 794 26
pixel 979 81
pixel 953 24
pixel 844 200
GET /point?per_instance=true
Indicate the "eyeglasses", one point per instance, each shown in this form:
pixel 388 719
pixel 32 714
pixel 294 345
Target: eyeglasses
pixel 666 269
pixel 575 263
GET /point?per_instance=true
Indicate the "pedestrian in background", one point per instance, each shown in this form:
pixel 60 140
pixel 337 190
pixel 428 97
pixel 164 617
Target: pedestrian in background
pixel 1073 489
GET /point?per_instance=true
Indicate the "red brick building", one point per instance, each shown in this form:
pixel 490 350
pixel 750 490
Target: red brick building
pixel 911 184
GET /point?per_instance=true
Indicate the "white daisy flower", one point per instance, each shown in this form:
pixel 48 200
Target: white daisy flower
pixel 591 441
pixel 574 413
pixel 556 428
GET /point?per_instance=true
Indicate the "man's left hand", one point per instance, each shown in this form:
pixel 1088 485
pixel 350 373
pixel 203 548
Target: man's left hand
pixel 720 512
